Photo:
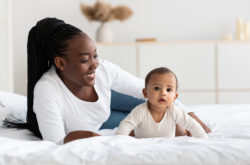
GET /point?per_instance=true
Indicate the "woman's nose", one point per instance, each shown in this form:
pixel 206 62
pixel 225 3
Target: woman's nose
pixel 95 63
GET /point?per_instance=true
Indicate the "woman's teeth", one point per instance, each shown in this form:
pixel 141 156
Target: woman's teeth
pixel 92 75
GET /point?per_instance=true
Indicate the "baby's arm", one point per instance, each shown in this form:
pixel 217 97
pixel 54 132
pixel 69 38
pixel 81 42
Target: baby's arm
pixel 189 123
pixel 128 124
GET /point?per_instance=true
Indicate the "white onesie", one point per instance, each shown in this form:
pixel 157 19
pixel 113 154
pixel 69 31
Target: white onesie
pixel 141 120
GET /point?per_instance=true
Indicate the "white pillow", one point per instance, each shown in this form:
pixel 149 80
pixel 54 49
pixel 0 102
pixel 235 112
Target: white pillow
pixel 14 104
pixel 3 114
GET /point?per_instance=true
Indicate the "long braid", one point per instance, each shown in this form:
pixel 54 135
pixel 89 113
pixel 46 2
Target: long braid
pixel 47 40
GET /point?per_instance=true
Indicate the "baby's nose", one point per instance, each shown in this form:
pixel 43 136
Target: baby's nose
pixel 163 92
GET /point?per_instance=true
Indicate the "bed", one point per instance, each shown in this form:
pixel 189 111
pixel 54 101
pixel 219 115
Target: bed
pixel 229 143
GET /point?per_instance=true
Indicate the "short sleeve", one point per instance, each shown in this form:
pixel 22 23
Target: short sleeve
pixel 47 108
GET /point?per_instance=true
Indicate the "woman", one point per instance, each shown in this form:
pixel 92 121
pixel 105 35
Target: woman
pixel 68 86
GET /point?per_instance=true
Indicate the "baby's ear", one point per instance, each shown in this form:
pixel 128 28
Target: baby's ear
pixel 176 95
pixel 144 93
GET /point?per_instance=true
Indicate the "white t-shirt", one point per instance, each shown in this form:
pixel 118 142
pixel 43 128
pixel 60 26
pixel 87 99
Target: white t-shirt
pixel 60 112
pixel 141 120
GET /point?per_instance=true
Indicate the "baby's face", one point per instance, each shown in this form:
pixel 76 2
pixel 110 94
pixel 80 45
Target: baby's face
pixel 161 91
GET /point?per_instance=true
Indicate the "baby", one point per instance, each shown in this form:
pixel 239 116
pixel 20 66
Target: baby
pixel 158 116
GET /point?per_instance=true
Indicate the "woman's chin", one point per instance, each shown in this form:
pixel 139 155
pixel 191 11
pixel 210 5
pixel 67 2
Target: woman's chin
pixel 90 83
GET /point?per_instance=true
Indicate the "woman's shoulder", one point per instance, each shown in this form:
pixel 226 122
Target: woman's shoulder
pixel 48 82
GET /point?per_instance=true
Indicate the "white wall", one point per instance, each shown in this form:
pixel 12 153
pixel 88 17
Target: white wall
pixel 167 20
pixel 6 72
pixel 179 19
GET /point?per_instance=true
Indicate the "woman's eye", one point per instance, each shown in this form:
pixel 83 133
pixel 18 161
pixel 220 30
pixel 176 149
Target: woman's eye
pixel 95 56
pixel 156 88
pixel 83 61
pixel 169 90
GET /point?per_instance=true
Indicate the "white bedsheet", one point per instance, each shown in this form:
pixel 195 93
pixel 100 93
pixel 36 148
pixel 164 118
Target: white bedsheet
pixel 229 143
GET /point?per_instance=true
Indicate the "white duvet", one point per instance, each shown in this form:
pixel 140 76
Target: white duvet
pixel 229 143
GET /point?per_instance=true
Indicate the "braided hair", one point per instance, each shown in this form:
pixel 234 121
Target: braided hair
pixel 47 40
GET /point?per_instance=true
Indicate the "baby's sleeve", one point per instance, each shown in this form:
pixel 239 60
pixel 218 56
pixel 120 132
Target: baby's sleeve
pixel 129 123
pixel 189 123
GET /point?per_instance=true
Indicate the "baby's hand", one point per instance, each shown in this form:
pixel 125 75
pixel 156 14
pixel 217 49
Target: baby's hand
pixel 132 133
pixel 188 133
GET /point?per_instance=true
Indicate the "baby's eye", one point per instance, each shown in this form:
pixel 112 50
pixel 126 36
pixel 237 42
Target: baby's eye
pixel 156 88
pixel 169 90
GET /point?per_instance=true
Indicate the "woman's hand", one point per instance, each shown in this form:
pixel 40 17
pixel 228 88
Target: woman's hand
pixel 207 130
pixel 79 135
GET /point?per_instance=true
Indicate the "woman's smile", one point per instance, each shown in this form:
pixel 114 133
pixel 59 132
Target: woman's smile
pixel 91 75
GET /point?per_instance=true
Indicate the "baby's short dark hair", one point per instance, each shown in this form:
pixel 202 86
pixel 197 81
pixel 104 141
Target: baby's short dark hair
pixel 160 70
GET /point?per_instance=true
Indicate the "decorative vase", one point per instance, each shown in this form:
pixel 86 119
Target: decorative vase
pixel 104 33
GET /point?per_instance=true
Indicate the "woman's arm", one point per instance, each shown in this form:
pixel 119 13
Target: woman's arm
pixel 124 82
pixel 204 126
pixel 192 114
pixel 189 123
pixel 79 135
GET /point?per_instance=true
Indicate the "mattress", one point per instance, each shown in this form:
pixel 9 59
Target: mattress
pixel 228 143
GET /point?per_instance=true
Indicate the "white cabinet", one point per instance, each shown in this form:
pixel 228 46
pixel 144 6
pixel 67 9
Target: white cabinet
pixel 197 97
pixel 208 72
pixel 193 64
pixel 233 73
pixel 234 66
pixel 237 97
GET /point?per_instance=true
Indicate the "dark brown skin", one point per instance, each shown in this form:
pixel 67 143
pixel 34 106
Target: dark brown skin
pixel 81 60
pixel 74 70
pixel 79 135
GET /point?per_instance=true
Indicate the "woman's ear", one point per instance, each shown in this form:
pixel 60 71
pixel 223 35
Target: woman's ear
pixel 60 63
pixel 144 93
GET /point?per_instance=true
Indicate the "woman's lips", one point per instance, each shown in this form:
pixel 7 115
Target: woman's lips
pixel 91 75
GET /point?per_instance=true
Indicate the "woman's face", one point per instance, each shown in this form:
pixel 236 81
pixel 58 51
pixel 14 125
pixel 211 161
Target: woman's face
pixel 80 62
